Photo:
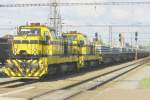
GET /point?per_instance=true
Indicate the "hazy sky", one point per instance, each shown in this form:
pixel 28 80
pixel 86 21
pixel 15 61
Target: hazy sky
pixel 80 15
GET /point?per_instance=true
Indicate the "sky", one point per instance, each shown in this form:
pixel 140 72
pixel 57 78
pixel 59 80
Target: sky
pixel 82 15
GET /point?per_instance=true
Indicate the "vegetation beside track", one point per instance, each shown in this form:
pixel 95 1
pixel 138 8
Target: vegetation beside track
pixel 145 83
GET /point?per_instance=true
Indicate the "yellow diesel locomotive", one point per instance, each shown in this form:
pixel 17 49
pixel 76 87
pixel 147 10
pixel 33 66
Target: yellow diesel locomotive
pixel 37 51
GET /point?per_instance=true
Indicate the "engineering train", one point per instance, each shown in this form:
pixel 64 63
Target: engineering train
pixel 37 51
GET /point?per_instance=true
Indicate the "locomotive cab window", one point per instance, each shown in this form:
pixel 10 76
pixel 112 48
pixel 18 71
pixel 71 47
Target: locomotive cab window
pixel 53 34
pixel 47 37
pixel 29 32
pixel 72 38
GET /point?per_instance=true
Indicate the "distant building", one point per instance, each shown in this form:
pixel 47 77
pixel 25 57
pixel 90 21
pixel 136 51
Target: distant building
pixel 7 37
pixel 5 45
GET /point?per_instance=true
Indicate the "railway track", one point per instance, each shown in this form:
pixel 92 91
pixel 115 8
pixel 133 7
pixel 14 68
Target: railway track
pixel 89 84
pixel 74 86
pixel 16 83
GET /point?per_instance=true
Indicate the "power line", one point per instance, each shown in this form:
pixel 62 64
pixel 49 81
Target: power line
pixel 7 28
pixel 75 4
pixel 121 25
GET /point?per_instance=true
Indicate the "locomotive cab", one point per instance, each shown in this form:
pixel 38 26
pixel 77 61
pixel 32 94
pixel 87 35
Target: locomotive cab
pixel 27 41
pixel 77 43
pixel 32 40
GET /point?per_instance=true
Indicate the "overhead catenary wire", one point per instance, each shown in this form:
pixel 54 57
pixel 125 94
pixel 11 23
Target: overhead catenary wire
pixel 74 4
pixel 84 26
pixel 119 25
pixel 94 4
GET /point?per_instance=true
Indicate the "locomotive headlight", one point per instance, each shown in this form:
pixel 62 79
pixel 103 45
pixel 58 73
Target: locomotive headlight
pixel 15 50
pixel 41 65
pixel 35 65
pixel 34 51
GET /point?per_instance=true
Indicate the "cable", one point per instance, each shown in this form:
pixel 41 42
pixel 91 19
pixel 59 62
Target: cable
pixel 121 25
pixel 75 4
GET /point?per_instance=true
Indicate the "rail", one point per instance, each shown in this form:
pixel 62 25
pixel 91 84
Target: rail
pixel 91 83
